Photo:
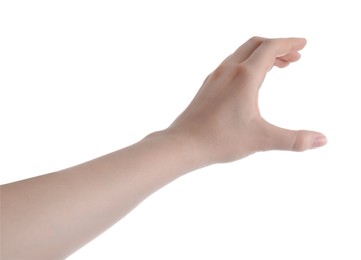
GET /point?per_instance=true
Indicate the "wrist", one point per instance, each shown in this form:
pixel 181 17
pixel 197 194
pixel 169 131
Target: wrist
pixel 182 146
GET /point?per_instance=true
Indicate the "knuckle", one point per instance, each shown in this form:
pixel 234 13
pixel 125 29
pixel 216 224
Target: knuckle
pixel 271 45
pixel 240 70
pixel 256 40
pixel 220 70
pixel 268 42
pixel 232 71
pixel 300 144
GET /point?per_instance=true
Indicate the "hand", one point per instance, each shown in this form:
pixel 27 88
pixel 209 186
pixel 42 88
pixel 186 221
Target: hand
pixel 224 121
pixel 221 124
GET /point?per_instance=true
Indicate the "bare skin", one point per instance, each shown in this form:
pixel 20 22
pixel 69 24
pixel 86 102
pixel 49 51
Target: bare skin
pixel 53 215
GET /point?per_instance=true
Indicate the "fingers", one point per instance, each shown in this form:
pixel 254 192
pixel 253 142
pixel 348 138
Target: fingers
pixel 280 53
pixel 290 140
pixel 284 61
pixel 291 57
pixel 281 63
pixel 245 50
pixel 275 52
pixel 249 47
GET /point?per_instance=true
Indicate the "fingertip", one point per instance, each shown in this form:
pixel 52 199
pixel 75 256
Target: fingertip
pixel 296 57
pixel 299 43
pixel 305 140
pixel 319 141
pixel 281 63
pixel 304 40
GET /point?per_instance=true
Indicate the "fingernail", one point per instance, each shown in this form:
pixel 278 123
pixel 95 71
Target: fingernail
pixel 319 141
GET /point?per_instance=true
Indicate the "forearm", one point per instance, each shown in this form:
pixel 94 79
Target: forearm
pixel 51 216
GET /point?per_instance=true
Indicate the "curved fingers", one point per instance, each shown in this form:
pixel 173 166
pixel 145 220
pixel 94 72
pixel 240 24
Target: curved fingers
pixel 269 51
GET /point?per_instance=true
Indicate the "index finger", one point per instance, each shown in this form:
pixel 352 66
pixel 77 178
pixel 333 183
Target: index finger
pixel 265 55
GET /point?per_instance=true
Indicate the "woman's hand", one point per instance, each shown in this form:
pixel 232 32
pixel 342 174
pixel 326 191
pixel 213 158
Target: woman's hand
pixel 50 216
pixel 223 120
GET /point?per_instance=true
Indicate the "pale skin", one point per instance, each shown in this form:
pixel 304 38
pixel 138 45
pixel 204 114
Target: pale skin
pixel 53 215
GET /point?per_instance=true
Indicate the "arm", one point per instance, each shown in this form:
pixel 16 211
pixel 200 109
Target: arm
pixel 51 216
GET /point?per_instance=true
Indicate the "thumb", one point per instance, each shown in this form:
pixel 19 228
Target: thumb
pixel 291 140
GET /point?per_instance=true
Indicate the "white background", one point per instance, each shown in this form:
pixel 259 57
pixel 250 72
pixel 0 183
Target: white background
pixel 79 79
